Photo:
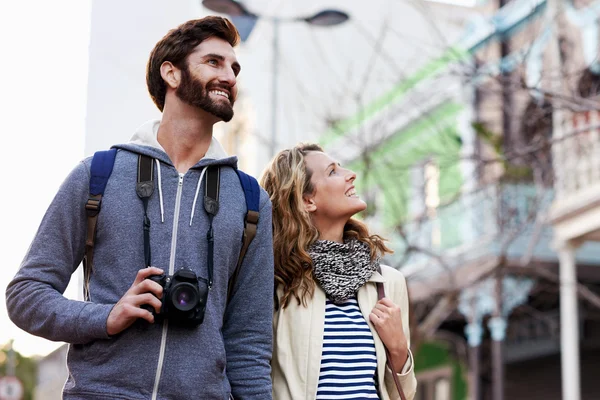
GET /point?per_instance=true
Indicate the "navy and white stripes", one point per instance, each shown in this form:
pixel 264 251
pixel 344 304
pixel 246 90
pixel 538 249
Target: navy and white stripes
pixel 348 363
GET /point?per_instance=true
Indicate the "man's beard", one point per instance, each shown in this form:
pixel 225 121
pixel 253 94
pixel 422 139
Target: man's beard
pixel 193 92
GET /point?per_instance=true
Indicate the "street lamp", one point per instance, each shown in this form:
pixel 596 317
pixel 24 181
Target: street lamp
pixel 233 8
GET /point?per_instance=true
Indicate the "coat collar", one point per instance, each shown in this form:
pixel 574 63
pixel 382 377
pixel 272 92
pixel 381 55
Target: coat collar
pixel 377 277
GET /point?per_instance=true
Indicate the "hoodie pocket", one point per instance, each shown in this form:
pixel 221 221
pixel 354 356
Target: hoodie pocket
pixel 93 352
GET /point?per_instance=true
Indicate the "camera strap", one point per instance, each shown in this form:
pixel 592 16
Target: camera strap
pixel 211 205
pixel 144 189
pixel 101 169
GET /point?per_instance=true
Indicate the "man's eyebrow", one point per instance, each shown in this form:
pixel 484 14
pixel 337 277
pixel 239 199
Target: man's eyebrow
pixel 213 55
pixel 219 57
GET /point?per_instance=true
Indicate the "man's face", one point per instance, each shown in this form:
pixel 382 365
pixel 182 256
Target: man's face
pixel 208 80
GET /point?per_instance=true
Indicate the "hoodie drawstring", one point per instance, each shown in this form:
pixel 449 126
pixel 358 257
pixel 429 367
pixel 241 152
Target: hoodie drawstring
pixel 162 208
pixel 196 196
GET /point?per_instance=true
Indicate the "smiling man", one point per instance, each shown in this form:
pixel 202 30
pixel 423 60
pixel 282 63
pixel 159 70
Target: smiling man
pixel 201 326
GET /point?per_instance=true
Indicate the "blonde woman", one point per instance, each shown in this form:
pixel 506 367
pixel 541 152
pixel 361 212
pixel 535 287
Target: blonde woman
pixel 330 329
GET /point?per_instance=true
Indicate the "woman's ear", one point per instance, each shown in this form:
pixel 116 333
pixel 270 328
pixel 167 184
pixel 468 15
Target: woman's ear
pixel 309 204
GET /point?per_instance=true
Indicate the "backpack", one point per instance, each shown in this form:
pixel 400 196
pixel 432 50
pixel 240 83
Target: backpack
pixel 101 168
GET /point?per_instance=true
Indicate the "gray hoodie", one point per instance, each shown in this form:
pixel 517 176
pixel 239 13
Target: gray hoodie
pixel 228 353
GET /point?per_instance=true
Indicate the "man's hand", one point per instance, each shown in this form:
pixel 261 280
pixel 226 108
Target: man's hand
pixel 387 319
pixel 127 309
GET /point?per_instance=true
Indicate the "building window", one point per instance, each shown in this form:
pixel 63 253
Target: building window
pixel 442 389
pixel 536 131
pixel 416 198
pixel 589 84
pixel 425 200
pixel 432 186
pixel 435 384
pixel 432 200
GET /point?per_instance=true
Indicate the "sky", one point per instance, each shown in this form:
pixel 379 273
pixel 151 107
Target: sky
pixel 43 64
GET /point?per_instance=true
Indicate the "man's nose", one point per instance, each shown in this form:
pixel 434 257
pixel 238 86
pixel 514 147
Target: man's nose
pixel 228 77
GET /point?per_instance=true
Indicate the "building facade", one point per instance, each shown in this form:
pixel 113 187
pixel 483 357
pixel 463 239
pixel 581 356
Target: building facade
pixel 484 175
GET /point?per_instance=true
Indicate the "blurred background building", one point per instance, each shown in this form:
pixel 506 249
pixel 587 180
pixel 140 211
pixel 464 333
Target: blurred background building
pixel 473 127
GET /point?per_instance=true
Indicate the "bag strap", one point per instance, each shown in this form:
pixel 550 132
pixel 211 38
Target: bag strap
pixel 381 295
pixel 252 194
pixel 100 170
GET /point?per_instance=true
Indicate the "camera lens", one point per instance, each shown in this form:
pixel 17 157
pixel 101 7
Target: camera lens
pixel 184 296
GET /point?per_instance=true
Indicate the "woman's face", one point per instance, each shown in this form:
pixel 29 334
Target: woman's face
pixel 334 197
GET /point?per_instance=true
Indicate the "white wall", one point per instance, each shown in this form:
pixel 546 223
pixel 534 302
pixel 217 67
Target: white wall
pixel 122 35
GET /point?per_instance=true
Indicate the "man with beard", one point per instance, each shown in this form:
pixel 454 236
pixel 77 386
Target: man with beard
pixel 124 342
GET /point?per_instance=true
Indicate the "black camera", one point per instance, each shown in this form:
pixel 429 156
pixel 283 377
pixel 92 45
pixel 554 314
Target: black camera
pixel 184 297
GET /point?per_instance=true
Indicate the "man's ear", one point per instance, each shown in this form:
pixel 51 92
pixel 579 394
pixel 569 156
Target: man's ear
pixel 309 204
pixel 170 74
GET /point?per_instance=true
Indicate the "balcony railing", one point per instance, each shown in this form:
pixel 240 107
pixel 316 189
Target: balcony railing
pixel 532 336
pixel 576 155
pixel 497 219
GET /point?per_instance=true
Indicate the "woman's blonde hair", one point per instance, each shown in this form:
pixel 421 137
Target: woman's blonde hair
pixel 288 180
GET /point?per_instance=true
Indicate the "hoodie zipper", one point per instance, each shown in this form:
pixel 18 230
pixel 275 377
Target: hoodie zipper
pixel 163 341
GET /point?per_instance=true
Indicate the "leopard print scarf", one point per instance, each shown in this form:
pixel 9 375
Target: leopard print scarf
pixel 342 268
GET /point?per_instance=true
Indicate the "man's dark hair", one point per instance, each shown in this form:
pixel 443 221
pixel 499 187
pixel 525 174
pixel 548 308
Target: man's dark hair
pixel 178 44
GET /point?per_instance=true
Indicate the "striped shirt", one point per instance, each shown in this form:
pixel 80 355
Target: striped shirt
pixel 348 363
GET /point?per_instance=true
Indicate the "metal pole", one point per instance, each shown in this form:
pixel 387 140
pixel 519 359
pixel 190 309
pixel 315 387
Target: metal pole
pixel 474 372
pixel 497 325
pixel 507 93
pixel 11 361
pixel 474 332
pixel 272 144
pixel 498 367
pixel 569 313
pixel 569 323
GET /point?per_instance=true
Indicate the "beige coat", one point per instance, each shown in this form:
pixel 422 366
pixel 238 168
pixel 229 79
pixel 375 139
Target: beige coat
pixel 298 341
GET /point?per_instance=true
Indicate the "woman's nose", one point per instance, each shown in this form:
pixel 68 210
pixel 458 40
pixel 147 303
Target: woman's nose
pixel 351 176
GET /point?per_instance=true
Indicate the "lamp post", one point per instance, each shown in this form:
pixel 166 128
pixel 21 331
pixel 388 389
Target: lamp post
pixel 233 8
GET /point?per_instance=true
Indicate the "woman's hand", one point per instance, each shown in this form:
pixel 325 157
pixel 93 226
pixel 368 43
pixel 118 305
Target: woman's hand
pixel 387 319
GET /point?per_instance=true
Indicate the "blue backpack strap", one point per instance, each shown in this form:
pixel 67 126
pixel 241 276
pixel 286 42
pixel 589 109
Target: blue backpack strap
pixel 251 190
pixel 252 194
pixel 102 166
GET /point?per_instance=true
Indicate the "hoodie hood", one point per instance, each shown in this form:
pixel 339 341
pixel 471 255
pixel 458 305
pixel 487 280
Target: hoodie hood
pixel 145 141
